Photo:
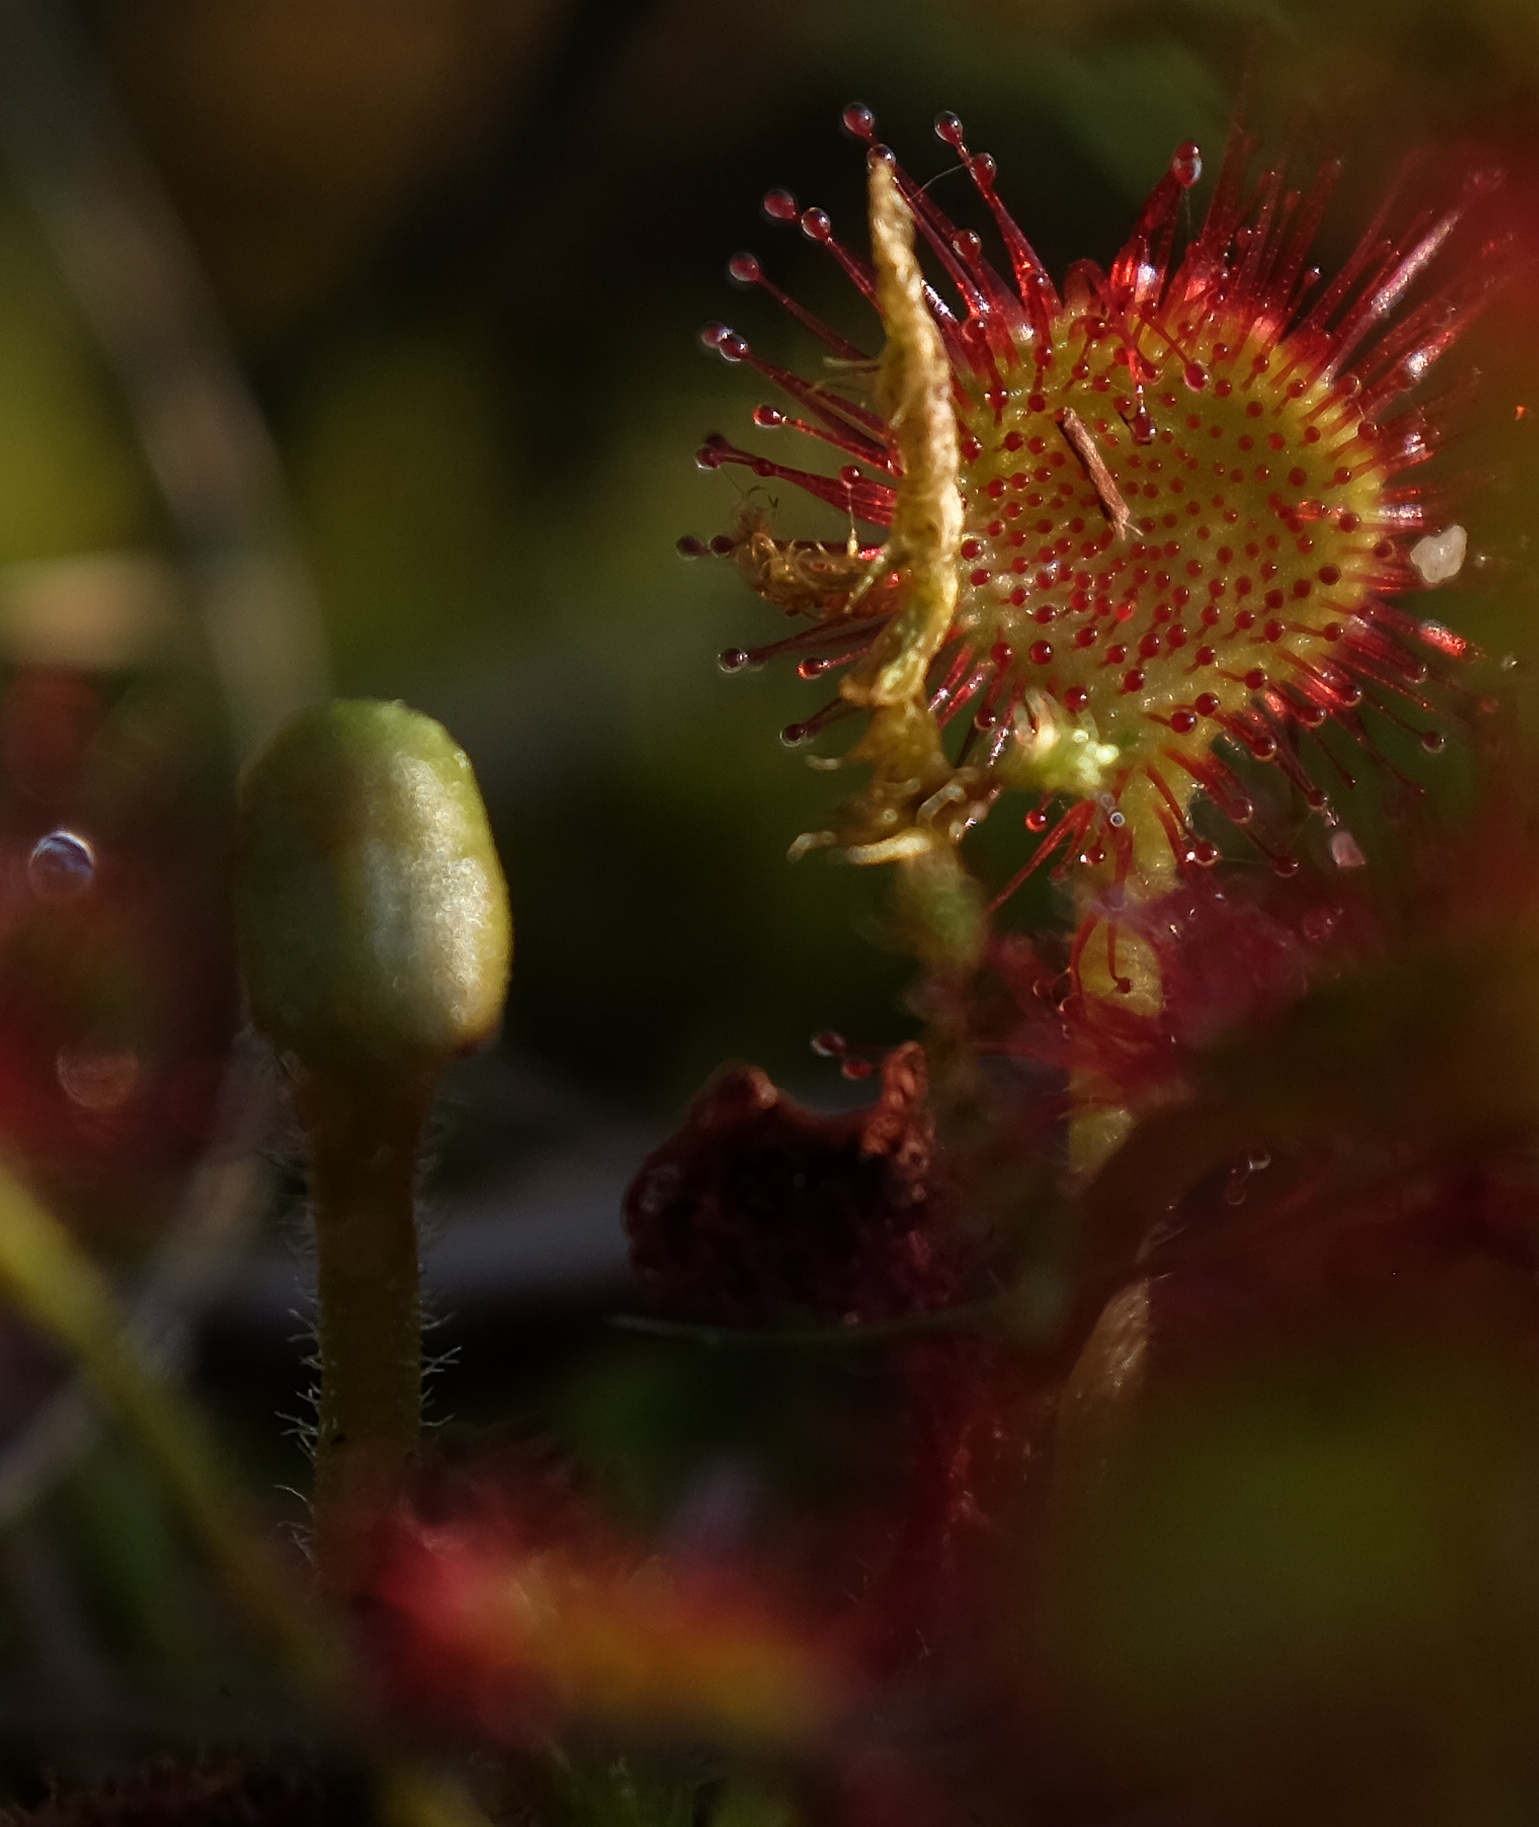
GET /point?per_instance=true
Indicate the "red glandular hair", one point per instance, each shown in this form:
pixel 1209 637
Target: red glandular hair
pixel 1188 487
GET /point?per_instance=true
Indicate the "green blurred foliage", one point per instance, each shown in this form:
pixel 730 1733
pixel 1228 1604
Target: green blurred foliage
pixel 1302 1585
pixel 71 477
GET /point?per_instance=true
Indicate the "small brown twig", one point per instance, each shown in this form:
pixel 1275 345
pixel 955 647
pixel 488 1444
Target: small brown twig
pixel 1102 481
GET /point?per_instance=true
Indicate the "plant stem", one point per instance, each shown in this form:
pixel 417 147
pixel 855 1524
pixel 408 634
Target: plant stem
pixel 363 1143
pixel 51 1282
pixel 1120 968
pixel 1117 966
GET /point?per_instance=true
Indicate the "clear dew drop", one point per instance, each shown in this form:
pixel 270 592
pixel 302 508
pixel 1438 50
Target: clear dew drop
pixel 95 1078
pixel 61 868
pixel 732 659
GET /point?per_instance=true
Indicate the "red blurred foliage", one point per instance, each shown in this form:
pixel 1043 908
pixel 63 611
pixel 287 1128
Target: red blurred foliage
pixel 116 992
pixel 520 1611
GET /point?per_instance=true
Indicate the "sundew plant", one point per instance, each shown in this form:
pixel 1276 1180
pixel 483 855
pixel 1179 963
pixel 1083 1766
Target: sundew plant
pixel 1134 529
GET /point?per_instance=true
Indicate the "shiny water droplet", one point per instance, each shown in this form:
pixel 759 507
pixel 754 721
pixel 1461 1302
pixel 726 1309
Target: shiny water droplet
pixel 97 1079
pixel 780 206
pixel 732 659
pixel 829 1044
pixel 61 868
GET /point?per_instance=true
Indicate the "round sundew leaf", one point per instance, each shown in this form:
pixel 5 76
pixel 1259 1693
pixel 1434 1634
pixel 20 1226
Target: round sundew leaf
pixel 1186 515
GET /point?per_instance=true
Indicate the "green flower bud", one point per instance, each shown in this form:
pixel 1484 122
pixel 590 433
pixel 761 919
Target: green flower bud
pixel 371 909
